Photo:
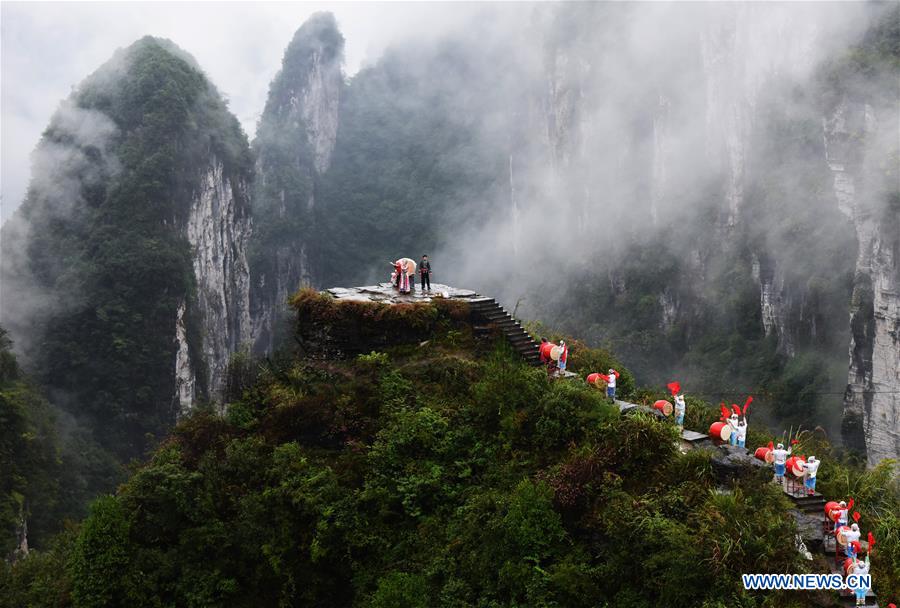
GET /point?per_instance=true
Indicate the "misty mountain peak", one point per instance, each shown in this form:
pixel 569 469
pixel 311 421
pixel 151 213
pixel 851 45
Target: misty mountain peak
pixel 319 33
pixel 297 133
pixel 309 81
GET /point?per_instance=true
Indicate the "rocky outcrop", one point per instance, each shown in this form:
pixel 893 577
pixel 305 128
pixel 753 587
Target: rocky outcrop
pixel 185 374
pixel 859 137
pixel 730 464
pixel 774 302
pixel 137 219
pixel 294 143
pixel 218 228
pixel 872 402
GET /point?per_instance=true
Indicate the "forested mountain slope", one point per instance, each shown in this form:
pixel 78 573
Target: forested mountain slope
pixel 448 473
pixel 125 281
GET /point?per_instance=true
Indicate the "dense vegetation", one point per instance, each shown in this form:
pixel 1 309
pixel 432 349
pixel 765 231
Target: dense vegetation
pixel 51 468
pixel 443 474
pixel 447 474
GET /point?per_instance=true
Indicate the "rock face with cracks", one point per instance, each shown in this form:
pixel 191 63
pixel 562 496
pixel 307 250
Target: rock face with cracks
pixel 294 143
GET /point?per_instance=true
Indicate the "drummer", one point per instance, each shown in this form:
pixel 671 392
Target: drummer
pixel 852 549
pixel 861 569
pixel 742 432
pixel 780 458
pixel 610 380
pixel 733 423
pixel 563 356
pixel 679 410
pixel 841 519
pixel 851 536
pixel 810 467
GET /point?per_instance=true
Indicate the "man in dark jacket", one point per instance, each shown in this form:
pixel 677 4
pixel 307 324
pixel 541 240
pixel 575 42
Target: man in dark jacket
pixel 425 273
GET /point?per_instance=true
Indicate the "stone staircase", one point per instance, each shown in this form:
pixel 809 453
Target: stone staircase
pixel 814 506
pixel 488 311
pixel 808 504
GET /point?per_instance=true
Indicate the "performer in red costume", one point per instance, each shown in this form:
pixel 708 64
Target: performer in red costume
pixel 610 380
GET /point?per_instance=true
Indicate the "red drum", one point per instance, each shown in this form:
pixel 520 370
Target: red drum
pixel 832 510
pixel 594 379
pixel 841 539
pixel 849 566
pixel 795 467
pixel 545 349
pixel 762 454
pixel 663 406
pixel 720 430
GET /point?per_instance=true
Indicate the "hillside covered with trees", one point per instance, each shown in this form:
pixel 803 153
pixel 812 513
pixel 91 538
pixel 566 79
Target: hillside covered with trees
pixel 447 473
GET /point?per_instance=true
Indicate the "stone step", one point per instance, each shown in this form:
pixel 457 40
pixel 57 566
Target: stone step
pixel 500 320
pixel 483 310
pixel 817 498
pixel 521 341
pixel 509 326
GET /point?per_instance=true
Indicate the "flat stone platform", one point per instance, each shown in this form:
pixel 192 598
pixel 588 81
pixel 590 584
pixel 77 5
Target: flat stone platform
pixel 693 436
pixel 386 293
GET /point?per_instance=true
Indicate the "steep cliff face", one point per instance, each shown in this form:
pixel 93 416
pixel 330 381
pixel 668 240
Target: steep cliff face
pixel 860 126
pixel 701 190
pixel 127 256
pixel 857 136
pixel 880 383
pixel 218 228
pixel 294 143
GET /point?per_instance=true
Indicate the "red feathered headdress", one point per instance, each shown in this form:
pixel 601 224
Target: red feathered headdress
pixel 735 409
pixel 856 516
pixel 871 541
pixel 674 387
pixel 747 404
pixel 850 503
pixel 724 409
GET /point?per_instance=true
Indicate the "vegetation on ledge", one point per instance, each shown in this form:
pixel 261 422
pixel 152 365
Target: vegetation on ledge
pixel 437 474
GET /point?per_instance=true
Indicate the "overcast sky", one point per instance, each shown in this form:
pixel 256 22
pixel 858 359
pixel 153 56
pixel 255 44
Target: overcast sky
pixel 47 48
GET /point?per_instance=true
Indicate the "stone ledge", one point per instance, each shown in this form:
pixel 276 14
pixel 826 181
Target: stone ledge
pixel 385 293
